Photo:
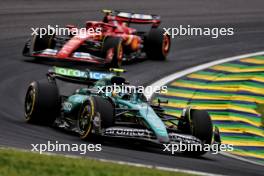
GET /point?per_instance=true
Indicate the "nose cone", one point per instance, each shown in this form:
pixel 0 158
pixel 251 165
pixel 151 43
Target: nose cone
pixel 156 124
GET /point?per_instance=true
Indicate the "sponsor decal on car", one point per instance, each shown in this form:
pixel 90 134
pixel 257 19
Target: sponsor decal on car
pixel 67 106
pixel 128 132
pixel 81 74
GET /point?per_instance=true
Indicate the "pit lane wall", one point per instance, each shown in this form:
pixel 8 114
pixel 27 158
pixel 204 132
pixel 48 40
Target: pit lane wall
pixel 233 94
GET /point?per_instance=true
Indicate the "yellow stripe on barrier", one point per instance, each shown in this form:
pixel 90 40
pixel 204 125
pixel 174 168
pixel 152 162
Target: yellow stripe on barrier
pixel 235 69
pixel 242 130
pixel 248 98
pixel 230 88
pixel 197 96
pixel 234 118
pixel 227 77
pixel 244 143
pixel 258 78
pixel 203 77
pixel 252 89
pixel 253 60
pixel 213 106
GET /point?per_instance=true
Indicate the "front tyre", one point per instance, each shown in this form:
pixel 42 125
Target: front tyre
pixel 95 110
pixel 201 128
pixel 42 103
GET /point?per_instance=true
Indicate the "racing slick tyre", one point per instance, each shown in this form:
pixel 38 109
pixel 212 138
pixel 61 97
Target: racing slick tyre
pixel 39 43
pixel 113 51
pixel 42 103
pixel 202 128
pixel 157 45
pixel 97 112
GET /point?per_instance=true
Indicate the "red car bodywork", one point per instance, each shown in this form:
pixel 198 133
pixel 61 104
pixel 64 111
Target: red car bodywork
pixel 113 24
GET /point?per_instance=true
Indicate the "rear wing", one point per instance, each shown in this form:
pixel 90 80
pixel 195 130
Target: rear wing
pixel 132 17
pixel 76 76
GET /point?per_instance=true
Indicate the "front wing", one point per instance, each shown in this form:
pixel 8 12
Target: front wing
pixel 76 56
pixel 145 134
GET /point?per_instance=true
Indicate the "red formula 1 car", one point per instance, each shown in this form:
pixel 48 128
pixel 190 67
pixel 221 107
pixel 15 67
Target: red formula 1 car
pixel 118 37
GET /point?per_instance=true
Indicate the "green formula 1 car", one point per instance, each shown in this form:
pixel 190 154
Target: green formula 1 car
pixel 92 110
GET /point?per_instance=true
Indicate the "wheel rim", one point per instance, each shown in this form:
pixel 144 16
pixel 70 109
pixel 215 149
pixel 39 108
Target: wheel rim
pixel 110 54
pixel 30 102
pixel 85 120
pixel 166 44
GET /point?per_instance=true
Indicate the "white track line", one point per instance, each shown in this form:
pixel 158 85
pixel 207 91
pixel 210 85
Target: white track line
pixel 121 163
pixel 156 85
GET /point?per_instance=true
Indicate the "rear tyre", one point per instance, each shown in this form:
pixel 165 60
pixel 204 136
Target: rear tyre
pixel 42 103
pixel 202 128
pixel 113 51
pixel 157 45
pixel 93 108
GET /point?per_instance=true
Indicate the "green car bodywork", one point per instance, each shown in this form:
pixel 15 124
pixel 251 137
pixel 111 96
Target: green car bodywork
pixel 108 106
pixel 135 103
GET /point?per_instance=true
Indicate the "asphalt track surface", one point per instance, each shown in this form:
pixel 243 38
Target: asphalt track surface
pixel 17 17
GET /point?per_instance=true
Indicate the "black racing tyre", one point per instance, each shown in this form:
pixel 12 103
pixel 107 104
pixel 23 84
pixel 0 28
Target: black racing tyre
pixel 94 106
pixel 39 43
pixel 202 128
pixel 106 110
pixel 202 125
pixel 113 51
pixel 42 103
pixel 157 45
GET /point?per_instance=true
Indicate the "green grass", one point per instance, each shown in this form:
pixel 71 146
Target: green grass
pixel 20 163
